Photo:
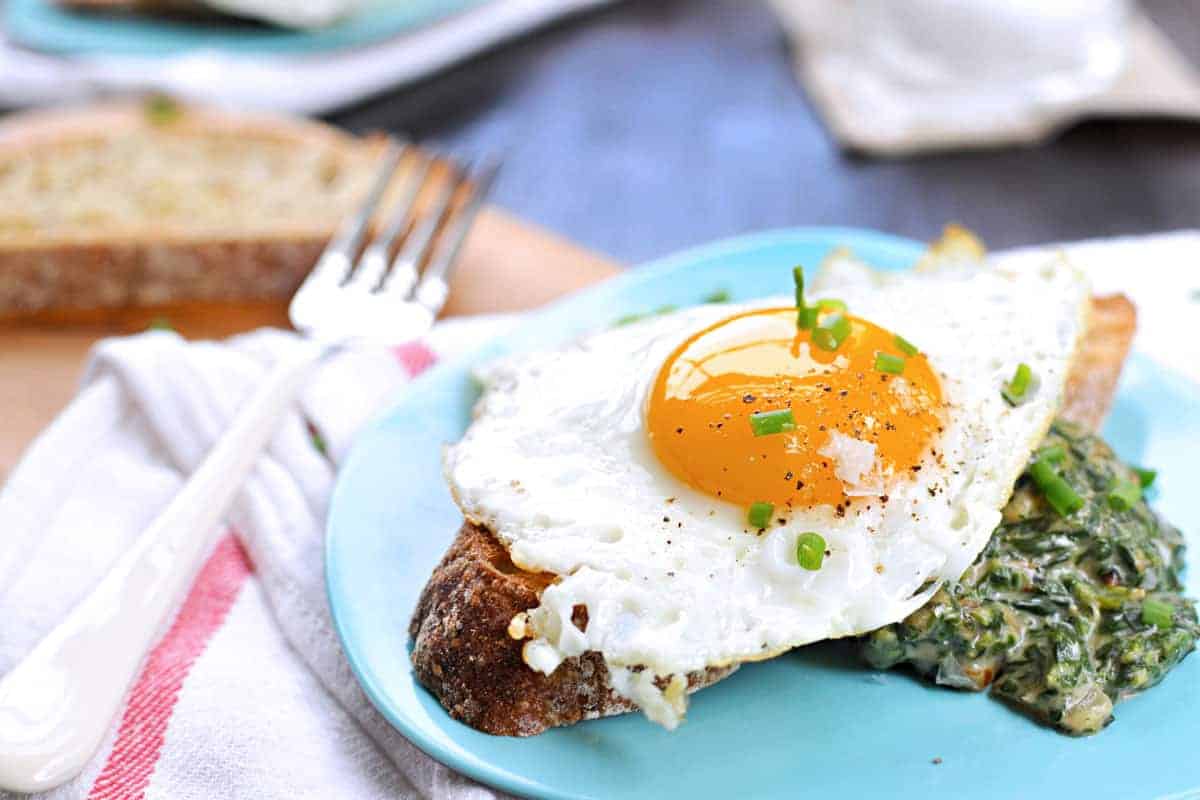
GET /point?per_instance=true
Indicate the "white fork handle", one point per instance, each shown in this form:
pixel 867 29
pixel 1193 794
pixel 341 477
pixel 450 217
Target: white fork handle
pixel 58 703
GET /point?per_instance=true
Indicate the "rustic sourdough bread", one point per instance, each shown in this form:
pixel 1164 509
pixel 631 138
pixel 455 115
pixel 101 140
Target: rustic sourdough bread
pixel 462 651
pixel 149 203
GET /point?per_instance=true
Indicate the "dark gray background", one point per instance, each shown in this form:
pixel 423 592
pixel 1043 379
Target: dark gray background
pixel 649 126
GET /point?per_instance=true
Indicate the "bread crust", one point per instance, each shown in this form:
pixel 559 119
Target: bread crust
pixel 462 651
pixel 153 262
pixel 1092 381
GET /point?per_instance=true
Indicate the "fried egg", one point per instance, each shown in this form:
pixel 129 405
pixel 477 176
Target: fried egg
pixel 628 463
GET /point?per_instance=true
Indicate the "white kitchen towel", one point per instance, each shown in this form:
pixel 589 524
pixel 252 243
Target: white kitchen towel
pixel 893 77
pixel 247 693
pixel 310 84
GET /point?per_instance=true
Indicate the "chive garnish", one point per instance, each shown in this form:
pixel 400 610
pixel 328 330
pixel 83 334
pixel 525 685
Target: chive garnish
pixel 759 515
pixel 830 335
pixel 886 362
pixel 1158 613
pixel 831 304
pixel 1145 476
pixel 808 317
pixel 161 109
pixel 718 296
pixel 905 346
pixel 1058 493
pixel 1123 495
pixel 767 423
pixel 1052 454
pixel 801 307
pixel 1022 381
pixel 638 316
pixel 810 550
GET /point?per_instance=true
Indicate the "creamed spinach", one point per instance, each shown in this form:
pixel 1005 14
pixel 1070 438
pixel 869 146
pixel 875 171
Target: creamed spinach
pixel 1061 616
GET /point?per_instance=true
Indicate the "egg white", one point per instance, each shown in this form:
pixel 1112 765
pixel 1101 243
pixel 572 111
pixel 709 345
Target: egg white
pixel 558 465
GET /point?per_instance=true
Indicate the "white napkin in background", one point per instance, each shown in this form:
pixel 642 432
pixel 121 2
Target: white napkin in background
pixel 893 77
pixel 311 84
pixel 248 694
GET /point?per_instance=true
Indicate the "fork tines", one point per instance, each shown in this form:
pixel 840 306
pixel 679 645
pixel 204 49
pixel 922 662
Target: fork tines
pixel 431 211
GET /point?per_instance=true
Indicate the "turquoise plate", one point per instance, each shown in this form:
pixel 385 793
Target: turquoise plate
pixel 812 723
pixel 41 25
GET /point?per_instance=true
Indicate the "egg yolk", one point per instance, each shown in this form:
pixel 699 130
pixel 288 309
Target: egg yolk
pixel 699 412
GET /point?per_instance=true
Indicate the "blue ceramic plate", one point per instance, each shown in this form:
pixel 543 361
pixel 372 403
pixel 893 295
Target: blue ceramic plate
pixel 812 723
pixel 42 25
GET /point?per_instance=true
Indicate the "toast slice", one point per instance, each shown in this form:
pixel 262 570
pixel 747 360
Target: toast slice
pixel 462 650
pixel 148 204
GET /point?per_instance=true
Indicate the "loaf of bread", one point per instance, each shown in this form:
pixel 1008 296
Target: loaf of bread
pixel 462 651
pixel 144 204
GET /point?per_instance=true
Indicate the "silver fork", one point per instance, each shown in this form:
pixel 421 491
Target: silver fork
pixel 58 703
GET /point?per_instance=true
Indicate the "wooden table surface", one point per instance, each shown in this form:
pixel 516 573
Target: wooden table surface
pixel 506 265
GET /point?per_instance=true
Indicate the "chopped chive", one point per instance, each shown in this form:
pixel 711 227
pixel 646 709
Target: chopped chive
pixel 830 335
pixel 1158 613
pixel 906 347
pixel 759 515
pixel 1015 390
pixel 718 296
pixel 161 109
pixel 808 317
pixel 810 550
pixel 831 304
pixel 638 316
pixel 886 362
pixel 1123 495
pixel 1052 454
pixel 1146 476
pixel 766 423
pixel 160 324
pixel 1058 493
pixel 801 307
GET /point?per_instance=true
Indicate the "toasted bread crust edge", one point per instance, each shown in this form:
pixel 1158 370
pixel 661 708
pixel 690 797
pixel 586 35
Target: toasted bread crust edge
pixel 158 264
pixel 1092 381
pixel 462 652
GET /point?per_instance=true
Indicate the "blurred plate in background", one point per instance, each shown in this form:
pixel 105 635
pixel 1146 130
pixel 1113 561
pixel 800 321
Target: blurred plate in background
pixel 42 25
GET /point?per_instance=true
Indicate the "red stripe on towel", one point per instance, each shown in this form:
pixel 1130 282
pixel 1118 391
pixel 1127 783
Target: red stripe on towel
pixel 152 699
pixel 415 357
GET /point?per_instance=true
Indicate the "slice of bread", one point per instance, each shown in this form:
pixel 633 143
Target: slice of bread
pixel 144 204
pixel 462 651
